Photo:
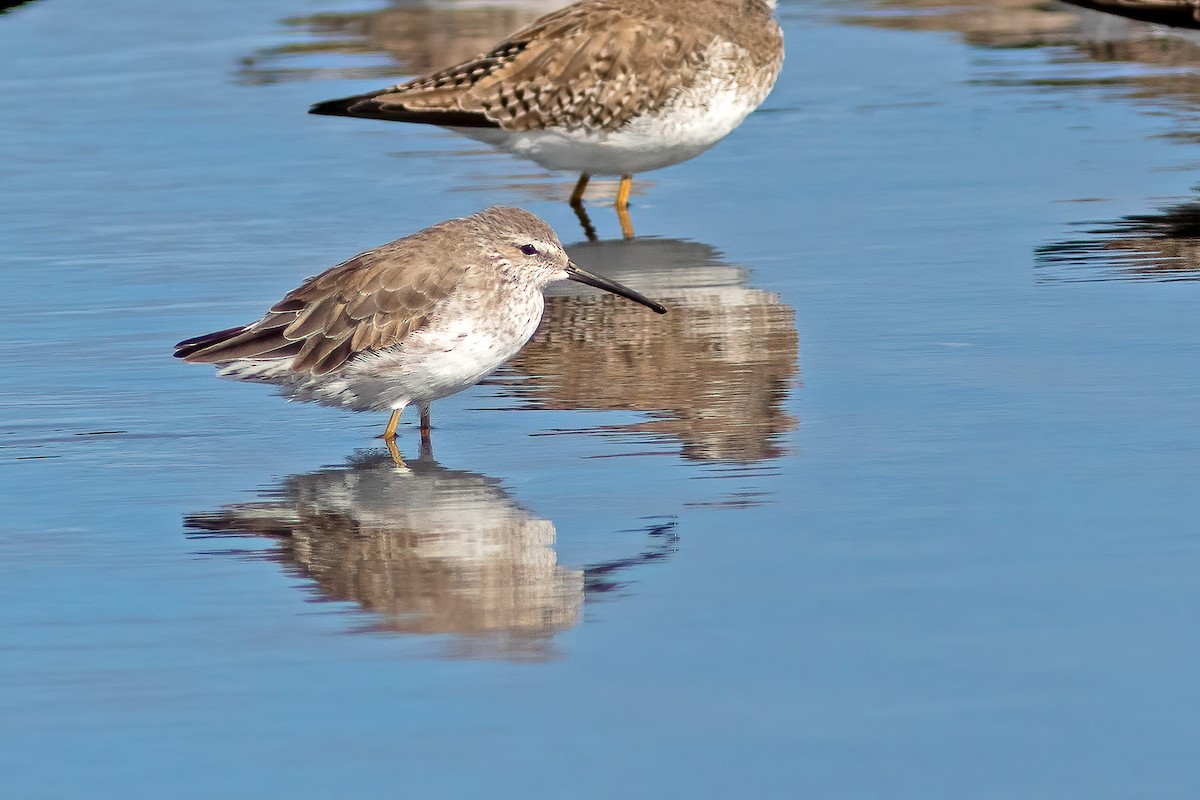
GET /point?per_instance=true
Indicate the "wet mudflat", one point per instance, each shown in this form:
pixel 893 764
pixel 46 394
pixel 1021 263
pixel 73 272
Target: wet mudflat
pixel 898 501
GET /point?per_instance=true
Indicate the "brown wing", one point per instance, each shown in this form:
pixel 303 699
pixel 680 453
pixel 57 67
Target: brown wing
pixel 374 300
pixel 591 64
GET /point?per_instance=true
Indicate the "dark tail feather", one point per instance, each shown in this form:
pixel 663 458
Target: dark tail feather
pixel 189 347
pixel 235 343
pixel 370 106
pixel 340 107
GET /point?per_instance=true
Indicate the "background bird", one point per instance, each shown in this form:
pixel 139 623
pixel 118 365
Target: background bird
pixel 608 87
pixel 412 321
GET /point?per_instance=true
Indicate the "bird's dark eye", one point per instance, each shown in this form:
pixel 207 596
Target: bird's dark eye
pixel 529 250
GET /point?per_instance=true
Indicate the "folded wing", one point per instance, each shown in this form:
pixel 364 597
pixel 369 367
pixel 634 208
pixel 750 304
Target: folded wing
pixel 373 301
pixel 585 65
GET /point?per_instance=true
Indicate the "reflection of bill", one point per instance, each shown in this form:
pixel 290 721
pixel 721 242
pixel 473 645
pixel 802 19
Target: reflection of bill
pixel 427 549
pixel 419 37
pixel 714 374
pixel 1164 246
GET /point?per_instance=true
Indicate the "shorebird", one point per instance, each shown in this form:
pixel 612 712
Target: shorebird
pixel 413 321
pixel 601 87
pixel 429 550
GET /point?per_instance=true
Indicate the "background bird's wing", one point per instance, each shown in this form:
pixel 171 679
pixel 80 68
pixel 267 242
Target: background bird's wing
pixel 586 65
pixel 374 300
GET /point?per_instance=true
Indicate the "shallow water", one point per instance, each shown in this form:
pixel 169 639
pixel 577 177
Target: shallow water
pixel 898 502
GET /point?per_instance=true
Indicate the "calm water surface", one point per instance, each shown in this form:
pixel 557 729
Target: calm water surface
pixel 899 501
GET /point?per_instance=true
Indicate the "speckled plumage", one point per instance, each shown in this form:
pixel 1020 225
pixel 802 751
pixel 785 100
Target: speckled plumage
pixel 591 87
pixel 412 321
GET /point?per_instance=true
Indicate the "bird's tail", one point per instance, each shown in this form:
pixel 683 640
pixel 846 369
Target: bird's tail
pixel 247 341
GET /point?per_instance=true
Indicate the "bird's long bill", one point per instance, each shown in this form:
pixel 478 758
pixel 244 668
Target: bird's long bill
pixel 574 273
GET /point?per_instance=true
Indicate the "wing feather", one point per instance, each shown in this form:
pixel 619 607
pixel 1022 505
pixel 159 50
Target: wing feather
pixel 590 64
pixel 373 301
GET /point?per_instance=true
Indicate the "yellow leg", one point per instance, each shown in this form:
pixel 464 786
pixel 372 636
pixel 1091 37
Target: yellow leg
pixel 389 433
pixel 394 452
pixel 580 188
pixel 626 222
pixel 623 192
pixel 425 426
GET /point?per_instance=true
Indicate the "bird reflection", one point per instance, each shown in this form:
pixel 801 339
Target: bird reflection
pixel 11 4
pixel 1164 246
pixel 1176 13
pixel 418 36
pixel 1158 246
pixel 1093 37
pixel 427 550
pixel 714 374
pixel 988 23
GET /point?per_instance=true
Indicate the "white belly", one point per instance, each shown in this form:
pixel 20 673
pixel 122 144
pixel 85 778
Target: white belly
pixel 440 360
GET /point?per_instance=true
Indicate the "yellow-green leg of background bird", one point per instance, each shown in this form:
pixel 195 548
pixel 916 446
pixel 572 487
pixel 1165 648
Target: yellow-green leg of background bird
pixel 580 188
pixel 623 192
pixel 389 433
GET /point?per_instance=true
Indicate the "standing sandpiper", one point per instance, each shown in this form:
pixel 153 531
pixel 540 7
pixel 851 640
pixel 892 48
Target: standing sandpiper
pixel 412 321
pixel 604 87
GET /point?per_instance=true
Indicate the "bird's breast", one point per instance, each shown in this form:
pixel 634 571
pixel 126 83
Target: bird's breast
pixel 469 339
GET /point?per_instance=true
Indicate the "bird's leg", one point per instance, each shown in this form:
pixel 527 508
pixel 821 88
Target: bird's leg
pixel 426 440
pixel 389 433
pixel 394 452
pixel 425 426
pixel 585 221
pixel 580 188
pixel 623 192
pixel 626 223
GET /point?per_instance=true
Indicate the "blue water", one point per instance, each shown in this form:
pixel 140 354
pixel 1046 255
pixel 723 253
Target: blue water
pixel 895 504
